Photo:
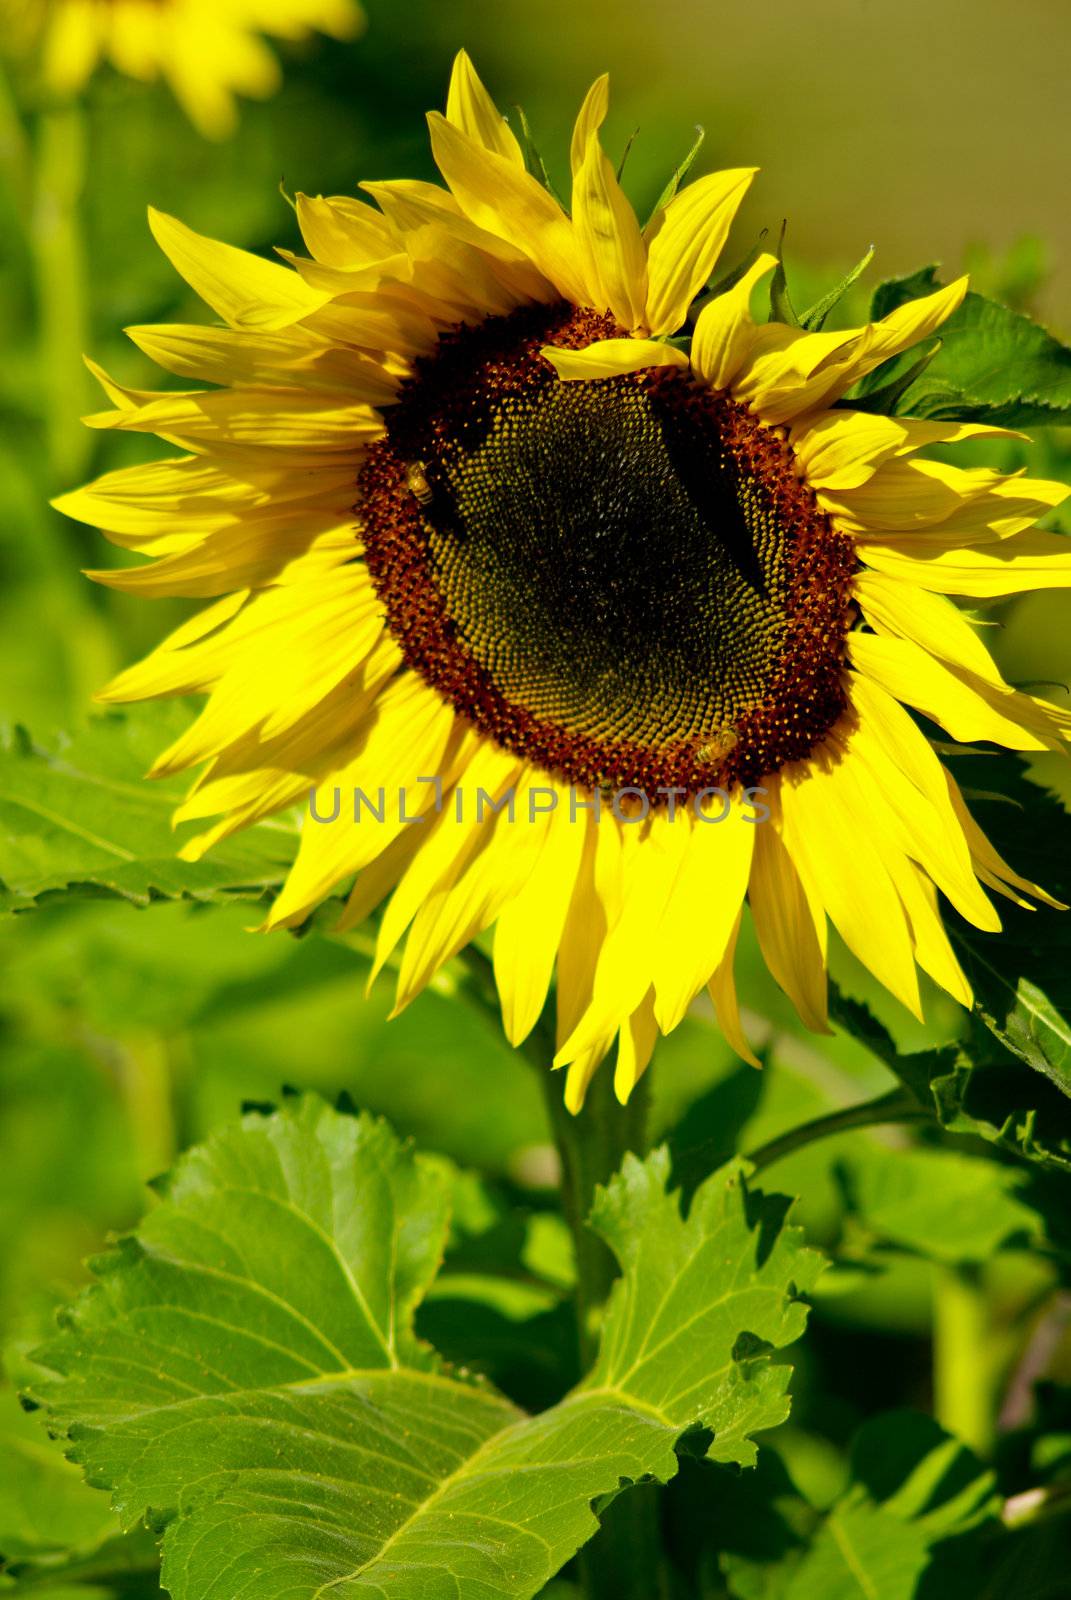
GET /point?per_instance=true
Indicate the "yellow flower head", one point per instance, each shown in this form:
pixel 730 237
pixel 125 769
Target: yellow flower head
pixel 485 550
pixel 208 51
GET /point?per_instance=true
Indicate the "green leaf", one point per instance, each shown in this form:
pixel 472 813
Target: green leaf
pixel 994 365
pixel 813 319
pixel 978 1089
pixel 46 1511
pixel 246 1371
pixel 57 1535
pixel 912 1521
pixel 78 815
pixel 939 1203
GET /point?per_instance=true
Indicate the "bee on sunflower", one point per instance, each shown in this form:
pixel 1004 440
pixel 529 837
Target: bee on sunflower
pixel 494 498
pixel 207 51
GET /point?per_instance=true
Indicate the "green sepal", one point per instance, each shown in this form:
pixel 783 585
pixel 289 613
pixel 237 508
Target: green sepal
pixel 678 174
pixel 533 161
pixel 781 307
pixel 813 319
pixel 629 142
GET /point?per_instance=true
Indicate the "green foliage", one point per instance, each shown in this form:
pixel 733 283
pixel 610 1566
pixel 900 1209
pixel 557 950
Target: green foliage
pixel 246 1371
pixel 1022 976
pixel 46 1510
pixel 940 1203
pixel 901 1528
pixel 125 1037
pixel 77 815
pixel 919 1517
pixel 993 365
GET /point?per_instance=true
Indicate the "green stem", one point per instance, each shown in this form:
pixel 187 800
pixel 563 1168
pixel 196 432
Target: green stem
pixel 898 1105
pixel 14 152
pixel 60 285
pixel 963 1363
pixel 623 1561
pixel 592 1143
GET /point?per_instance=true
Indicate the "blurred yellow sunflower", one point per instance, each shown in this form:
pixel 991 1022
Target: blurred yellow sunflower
pixel 208 51
pixel 481 540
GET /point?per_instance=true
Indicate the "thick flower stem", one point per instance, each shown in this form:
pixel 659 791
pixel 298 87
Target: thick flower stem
pixel 592 1145
pixel 623 1561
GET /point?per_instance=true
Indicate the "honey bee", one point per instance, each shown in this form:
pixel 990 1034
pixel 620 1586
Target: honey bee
pixel 719 744
pixel 417 483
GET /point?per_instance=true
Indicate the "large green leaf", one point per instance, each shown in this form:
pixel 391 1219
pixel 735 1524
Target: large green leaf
pixel 246 1373
pixel 993 364
pixel 79 815
pixel 919 1519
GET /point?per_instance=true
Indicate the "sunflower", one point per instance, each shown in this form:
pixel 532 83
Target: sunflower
pixel 628 627
pixel 209 51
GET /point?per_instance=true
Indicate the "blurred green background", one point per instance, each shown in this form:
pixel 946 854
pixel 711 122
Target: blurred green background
pixel 935 132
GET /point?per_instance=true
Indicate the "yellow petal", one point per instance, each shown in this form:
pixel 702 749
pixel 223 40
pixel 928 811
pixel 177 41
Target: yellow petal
pixel 989 863
pixel 317 424
pixel 290 359
pixel 684 241
pixel 595 906
pixel 456 911
pixel 913 807
pixel 529 928
pixel 650 856
pixel 933 952
pixel 723 994
pixel 590 118
pixel 1034 560
pixel 841 450
pixel 609 239
pixel 908 495
pixel 724 328
pixel 909 324
pixel 448 841
pixel 702 906
pixel 509 202
pixel 928 620
pixel 241 288
pixel 635 1047
pixel 968 710
pixel 791 938
pixel 409 739
pixel 609 358
pixel 470 108
pixel 343 232
pixel 827 834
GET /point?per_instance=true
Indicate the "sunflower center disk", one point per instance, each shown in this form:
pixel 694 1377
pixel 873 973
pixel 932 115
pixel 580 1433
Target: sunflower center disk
pixel 622 580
